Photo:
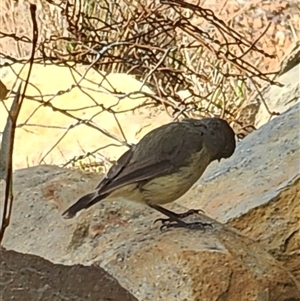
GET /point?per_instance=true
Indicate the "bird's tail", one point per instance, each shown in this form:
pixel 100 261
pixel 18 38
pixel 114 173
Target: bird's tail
pixel 83 203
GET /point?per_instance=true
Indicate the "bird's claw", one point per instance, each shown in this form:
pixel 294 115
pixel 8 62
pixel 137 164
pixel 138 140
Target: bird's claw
pixel 169 223
pixel 177 221
pixel 192 226
pixel 162 220
pixel 181 215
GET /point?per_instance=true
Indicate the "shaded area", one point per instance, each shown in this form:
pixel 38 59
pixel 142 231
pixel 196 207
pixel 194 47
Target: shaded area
pixel 29 277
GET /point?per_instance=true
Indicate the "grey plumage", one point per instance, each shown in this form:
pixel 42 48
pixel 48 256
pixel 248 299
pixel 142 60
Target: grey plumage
pixel 164 164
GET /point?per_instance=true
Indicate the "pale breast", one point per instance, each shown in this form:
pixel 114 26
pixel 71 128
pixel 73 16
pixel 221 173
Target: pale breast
pixel 166 189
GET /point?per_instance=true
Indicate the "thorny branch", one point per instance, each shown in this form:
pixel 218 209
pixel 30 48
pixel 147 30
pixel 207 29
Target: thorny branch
pixel 161 43
pixel 7 144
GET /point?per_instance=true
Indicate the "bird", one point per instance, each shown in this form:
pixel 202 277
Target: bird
pixel 163 166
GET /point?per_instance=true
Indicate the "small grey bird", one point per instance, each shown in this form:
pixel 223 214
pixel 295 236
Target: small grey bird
pixel 163 166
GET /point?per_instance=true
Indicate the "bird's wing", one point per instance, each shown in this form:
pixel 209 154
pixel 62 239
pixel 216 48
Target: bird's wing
pixel 160 152
pixel 134 173
pixel 116 168
pixel 108 185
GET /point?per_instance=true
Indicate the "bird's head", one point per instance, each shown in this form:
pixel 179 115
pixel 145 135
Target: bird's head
pixel 221 140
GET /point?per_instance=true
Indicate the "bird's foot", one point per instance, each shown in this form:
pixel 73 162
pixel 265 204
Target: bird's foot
pixel 170 223
pixel 179 216
pixel 188 213
pixel 175 220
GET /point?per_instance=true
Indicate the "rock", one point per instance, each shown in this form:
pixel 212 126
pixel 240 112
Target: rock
pixel 29 277
pixel 180 264
pixel 277 99
pixel 290 59
pixel 56 136
pixel 255 190
pixel 3 91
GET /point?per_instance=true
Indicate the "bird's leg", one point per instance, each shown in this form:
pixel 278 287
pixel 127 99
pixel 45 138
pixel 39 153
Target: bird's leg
pixel 175 219
pixel 178 215
pixel 188 213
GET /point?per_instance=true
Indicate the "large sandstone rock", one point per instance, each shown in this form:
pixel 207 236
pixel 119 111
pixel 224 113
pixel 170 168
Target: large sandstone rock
pixel 48 134
pixel 256 191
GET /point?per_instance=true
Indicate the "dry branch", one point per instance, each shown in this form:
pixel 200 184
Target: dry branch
pixel 7 144
pixel 169 45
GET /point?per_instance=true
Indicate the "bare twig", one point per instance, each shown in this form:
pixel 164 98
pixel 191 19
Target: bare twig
pixel 7 144
pixel 171 46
